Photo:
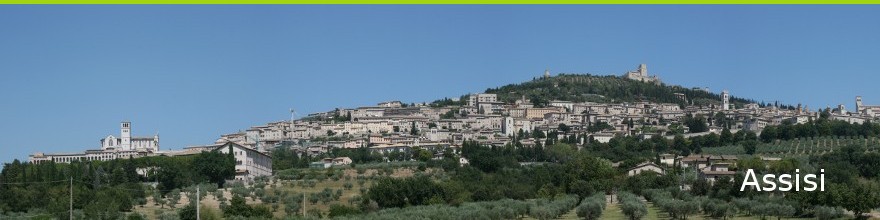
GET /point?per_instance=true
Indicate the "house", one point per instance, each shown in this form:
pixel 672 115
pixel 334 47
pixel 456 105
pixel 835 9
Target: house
pixel 319 165
pixel 603 137
pixel 717 170
pixel 644 167
pixel 463 161
pixel 337 161
pixel 668 159
pixel 698 161
pixel 329 162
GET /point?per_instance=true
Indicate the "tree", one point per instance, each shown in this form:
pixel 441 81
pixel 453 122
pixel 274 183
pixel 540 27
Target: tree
pixel 631 206
pixel 393 192
pixel 681 144
pixel 414 130
pixel 563 128
pixel 424 154
pixel 591 207
pixel 342 210
pixel 827 213
pixel 726 137
pixel 768 134
pixel 750 146
pixel 237 207
pixel 188 212
pixel 214 166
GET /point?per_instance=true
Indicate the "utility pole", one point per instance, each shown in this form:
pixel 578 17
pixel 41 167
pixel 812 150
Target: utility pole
pixel 71 197
pixel 304 204
pixel 198 191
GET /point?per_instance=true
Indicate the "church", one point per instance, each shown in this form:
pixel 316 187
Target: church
pixel 126 142
pixel 112 147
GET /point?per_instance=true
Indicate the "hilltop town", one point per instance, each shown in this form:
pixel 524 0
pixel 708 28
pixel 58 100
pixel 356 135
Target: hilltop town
pixel 487 119
pixel 543 144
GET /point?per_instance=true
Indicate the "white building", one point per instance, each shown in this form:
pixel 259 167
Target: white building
pixel 643 167
pixel 725 100
pixel 111 148
pixel 475 99
pixel 126 142
pixel 508 127
pixel 867 110
pixel 249 163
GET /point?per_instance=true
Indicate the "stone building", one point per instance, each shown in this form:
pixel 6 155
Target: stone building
pixel 641 74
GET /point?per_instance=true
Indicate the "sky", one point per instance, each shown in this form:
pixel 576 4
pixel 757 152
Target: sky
pixel 70 74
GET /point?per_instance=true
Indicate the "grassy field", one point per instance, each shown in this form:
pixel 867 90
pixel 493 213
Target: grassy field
pixel 800 146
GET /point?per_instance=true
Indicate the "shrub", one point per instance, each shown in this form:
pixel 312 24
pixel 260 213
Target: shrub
pixel 632 206
pixel 678 208
pixel 718 208
pixel 549 209
pixel 592 207
pixel 744 204
pixel 341 210
pixel 825 212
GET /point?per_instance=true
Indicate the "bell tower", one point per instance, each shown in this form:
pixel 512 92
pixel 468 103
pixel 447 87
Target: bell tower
pixel 125 135
pixel 643 70
pixel 725 100
pixel 859 103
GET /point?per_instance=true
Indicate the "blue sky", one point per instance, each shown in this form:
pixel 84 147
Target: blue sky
pixel 70 74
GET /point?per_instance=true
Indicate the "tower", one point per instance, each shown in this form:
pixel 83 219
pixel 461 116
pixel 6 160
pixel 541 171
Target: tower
pixel 725 100
pixel 546 74
pixel 507 126
pixel 125 134
pixel 859 103
pixel 643 70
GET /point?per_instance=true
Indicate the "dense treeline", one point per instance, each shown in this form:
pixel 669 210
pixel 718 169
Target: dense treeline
pixel 102 189
pixel 495 174
pixel 583 88
pixel 818 128
pixel 629 149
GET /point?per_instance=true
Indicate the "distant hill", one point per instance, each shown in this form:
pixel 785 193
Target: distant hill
pixel 604 89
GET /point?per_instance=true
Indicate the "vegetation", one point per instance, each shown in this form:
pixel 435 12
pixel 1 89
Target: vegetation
pixel 591 207
pixel 820 128
pixel 591 88
pixel 552 208
pixel 103 189
pixel 631 206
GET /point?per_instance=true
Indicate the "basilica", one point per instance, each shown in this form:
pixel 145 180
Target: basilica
pixel 112 147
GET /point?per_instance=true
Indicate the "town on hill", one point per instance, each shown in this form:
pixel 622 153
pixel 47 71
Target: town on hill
pixel 558 146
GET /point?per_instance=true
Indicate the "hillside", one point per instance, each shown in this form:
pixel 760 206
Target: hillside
pixel 604 89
